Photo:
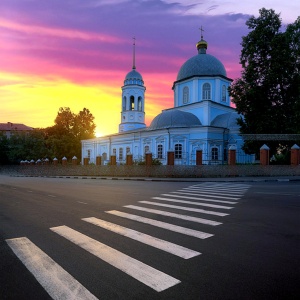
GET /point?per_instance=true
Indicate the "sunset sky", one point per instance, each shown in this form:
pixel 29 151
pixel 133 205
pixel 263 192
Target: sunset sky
pixel 76 53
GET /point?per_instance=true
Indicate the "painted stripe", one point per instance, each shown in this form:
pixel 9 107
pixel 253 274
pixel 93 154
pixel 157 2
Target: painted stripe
pixel 218 189
pixel 212 192
pixel 227 188
pixel 186 208
pixel 190 202
pixel 210 195
pixel 58 283
pixel 188 196
pixel 145 238
pixel 151 277
pixel 167 226
pixel 173 215
pixel 223 184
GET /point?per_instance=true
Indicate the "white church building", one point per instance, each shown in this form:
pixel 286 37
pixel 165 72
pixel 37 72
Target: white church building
pixel 202 119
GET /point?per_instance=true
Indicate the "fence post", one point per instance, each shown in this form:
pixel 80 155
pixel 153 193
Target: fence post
pixel 148 159
pixel 98 160
pixel 295 157
pixel 113 160
pixel 86 161
pixel 232 155
pixel 74 161
pixel 171 158
pixel 55 161
pixel 264 155
pixel 198 157
pixel 64 161
pixel 129 159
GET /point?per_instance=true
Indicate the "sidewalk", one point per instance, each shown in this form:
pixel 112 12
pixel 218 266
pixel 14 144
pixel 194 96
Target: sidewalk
pixel 206 179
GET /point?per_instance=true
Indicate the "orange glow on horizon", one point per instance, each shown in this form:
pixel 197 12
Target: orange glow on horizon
pixel 34 100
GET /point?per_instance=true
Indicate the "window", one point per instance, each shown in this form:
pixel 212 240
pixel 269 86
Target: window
pixel 140 108
pixel 206 92
pixel 146 149
pixel 89 153
pixel 224 93
pixel 131 102
pixel 104 156
pixel 120 153
pixel 159 151
pixel 114 151
pixel 127 150
pixel 186 94
pixel 214 153
pixel 178 151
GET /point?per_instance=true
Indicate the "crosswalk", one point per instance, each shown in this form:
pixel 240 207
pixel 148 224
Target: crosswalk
pixel 203 200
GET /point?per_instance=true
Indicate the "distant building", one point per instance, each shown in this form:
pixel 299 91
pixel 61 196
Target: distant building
pixel 9 128
pixel 202 118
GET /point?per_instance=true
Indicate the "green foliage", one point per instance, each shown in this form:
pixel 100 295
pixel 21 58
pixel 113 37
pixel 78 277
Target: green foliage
pixel 155 162
pixel 268 93
pixel 62 139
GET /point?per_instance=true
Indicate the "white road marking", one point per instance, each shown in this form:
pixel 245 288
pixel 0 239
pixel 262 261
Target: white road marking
pixel 58 283
pixel 81 202
pixel 209 212
pixel 191 202
pixel 145 238
pixel 207 194
pixel 188 196
pixel 168 226
pixel 173 215
pixel 220 190
pixel 151 277
pixel 223 184
pixel 52 196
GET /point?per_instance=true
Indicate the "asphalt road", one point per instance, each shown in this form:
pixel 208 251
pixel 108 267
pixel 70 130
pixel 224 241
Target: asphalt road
pixel 237 240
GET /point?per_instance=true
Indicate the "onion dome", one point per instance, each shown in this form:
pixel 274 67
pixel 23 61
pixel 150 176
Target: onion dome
pixel 174 118
pixel 202 64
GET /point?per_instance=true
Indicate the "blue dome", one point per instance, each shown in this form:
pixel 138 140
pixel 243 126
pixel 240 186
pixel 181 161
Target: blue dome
pixel 228 120
pixel 134 77
pixel 133 74
pixel 174 118
pixel 201 64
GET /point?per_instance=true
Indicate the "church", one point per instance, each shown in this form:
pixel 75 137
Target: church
pixel 202 119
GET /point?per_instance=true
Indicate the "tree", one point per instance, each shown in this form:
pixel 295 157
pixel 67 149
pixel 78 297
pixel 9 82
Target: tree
pixel 64 138
pixel 268 93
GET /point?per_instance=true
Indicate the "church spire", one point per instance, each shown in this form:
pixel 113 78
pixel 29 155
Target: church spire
pixel 133 55
pixel 202 44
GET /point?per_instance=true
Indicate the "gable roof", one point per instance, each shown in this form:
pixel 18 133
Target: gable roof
pixel 14 127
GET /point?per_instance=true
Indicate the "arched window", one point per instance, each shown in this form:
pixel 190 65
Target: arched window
pixel 140 107
pixel 160 151
pixel 104 156
pixel 178 151
pixel 223 93
pixel 131 102
pixel 206 91
pixel 186 95
pixel 120 153
pixel 214 153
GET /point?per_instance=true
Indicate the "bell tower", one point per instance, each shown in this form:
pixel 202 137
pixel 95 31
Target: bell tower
pixel 133 100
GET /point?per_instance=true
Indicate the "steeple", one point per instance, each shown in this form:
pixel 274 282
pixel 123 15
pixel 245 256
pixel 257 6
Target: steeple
pixel 133 55
pixel 133 99
pixel 202 44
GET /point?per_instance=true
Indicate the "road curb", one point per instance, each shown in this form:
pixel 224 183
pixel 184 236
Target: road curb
pixel 236 179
